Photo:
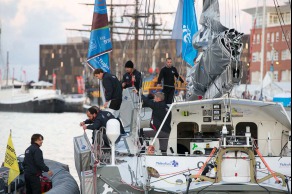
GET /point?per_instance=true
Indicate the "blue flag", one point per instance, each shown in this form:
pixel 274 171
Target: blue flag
pixel 100 43
pixel 189 29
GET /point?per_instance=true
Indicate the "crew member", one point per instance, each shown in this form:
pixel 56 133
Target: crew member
pixel 132 77
pixel 97 119
pixel 159 111
pixel 34 165
pixel 168 74
pixel 113 91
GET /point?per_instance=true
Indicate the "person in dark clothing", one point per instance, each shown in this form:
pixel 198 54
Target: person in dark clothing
pixel 113 91
pixel 34 165
pixel 97 119
pixel 132 77
pixel 159 111
pixel 168 73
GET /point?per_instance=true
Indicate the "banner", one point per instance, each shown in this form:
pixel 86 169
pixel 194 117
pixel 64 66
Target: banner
pixel 100 43
pixel 54 81
pixel 11 161
pixel 189 28
pixel 80 84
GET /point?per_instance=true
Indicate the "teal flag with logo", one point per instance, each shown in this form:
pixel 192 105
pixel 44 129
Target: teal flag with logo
pixel 100 43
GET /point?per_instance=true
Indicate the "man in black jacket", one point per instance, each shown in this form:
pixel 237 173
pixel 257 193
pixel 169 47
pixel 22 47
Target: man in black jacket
pixel 132 77
pixel 168 73
pixel 113 91
pixel 159 111
pixel 34 165
pixel 97 119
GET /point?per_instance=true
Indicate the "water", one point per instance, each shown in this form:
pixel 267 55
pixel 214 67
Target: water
pixel 58 131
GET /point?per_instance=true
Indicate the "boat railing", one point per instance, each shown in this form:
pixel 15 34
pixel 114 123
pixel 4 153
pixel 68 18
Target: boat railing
pixel 101 153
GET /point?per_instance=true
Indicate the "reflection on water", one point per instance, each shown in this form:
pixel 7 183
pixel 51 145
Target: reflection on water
pixel 58 131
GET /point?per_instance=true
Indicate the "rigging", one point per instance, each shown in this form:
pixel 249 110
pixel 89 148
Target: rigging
pixel 280 16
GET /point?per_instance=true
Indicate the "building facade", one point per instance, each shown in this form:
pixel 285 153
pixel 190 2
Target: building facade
pixel 64 64
pixel 277 54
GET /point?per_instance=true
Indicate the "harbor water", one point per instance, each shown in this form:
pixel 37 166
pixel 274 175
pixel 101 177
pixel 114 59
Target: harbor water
pixel 58 131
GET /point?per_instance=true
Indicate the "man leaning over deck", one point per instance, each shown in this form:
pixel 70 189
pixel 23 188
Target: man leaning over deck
pixel 113 93
pixel 97 119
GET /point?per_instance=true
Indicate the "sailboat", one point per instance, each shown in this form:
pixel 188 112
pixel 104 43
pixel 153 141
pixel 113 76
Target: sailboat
pixel 38 97
pixel 217 145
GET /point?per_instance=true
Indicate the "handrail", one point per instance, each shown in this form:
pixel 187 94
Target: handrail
pixel 203 178
pixel 272 176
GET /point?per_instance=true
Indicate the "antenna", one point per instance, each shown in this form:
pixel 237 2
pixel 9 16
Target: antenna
pixel 136 16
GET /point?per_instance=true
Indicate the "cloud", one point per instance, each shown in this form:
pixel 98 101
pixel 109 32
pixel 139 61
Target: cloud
pixel 28 23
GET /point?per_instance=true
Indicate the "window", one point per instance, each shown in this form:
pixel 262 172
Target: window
pixel 254 57
pixel 260 21
pixel 277 37
pixel 273 37
pixel 283 37
pixel 276 56
pixel 268 37
pixel 276 75
pixel 241 129
pixel 268 56
pixel 254 39
pixel 286 55
pixel 259 56
pixel 258 39
pixel 187 132
pixel 274 19
pixel 285 76
pixel 287 17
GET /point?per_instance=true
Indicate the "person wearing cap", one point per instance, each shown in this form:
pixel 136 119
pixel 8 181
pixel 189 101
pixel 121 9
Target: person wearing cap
pixel 168 74
pixel 159 111
pixel 96 119
pixel 132 77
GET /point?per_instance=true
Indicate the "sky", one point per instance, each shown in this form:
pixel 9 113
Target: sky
pixel 26 24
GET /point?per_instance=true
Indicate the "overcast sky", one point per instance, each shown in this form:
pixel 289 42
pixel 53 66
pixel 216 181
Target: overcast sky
pixel 28 23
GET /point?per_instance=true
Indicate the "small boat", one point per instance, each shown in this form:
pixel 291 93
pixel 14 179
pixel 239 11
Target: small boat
pixel 37 98
pixel 62 181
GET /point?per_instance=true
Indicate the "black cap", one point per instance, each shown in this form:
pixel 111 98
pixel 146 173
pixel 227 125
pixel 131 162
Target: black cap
pixel 129 64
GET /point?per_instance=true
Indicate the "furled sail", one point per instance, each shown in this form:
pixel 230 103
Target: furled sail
pixel 218 65
pixel 100 43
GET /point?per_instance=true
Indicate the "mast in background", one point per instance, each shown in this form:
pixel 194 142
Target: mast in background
pixel 263 47
pixel 7 63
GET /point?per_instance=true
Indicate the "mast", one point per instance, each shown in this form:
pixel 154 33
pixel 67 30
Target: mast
pixel 263 47
pixel 7 63
pixel 137 35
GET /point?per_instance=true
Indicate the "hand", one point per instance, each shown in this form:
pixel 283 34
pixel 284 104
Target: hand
pixel 133 79
pixel 135 91
pixel 84 127
pixel 105 105
pixel 50 173
pixel 82 124
pixel 159 85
